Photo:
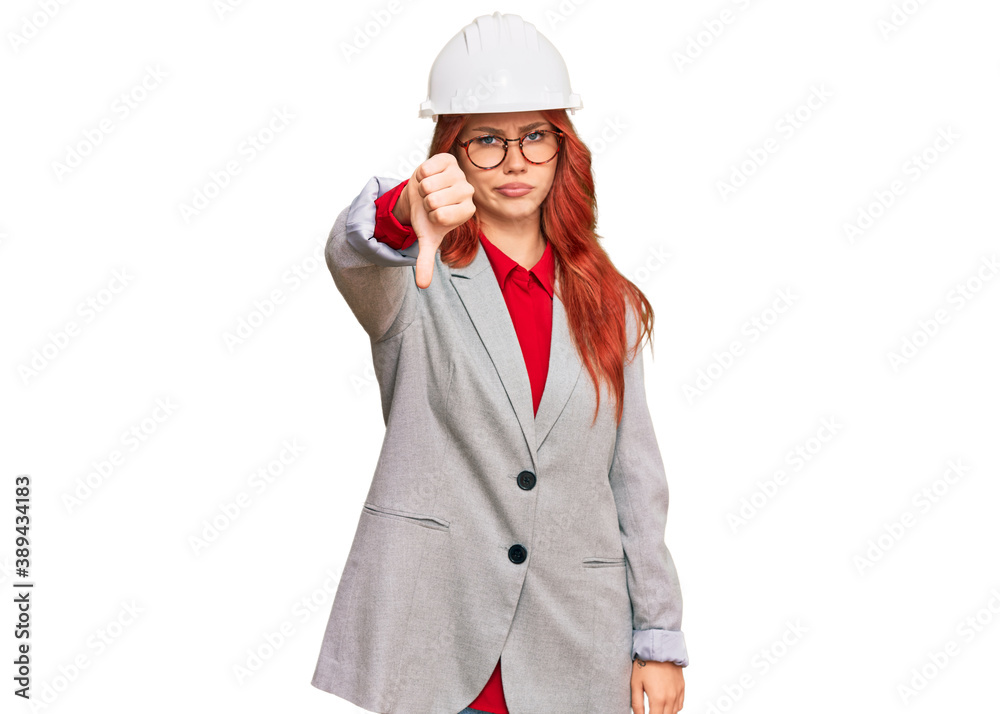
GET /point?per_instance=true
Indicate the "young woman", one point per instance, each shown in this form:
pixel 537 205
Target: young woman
pixel 510 553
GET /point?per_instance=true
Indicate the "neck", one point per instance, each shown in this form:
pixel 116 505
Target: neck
pixel 519 239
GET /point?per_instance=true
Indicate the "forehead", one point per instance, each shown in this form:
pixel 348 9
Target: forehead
pixel 508 122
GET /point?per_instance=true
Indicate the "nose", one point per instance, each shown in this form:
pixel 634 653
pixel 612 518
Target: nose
pixel 514 162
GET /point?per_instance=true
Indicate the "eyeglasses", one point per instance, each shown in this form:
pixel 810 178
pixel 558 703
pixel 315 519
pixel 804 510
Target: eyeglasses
pixel 488 151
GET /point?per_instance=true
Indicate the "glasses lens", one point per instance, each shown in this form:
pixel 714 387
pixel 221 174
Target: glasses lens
pixel 486 151
pixel 540 146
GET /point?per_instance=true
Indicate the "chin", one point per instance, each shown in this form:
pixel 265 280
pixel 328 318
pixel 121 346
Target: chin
pixel 523 213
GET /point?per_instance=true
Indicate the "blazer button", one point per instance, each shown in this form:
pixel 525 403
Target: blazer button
pixel 517 553
pixel 526 480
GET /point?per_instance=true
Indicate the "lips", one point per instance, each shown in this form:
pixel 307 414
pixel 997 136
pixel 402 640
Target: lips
pixel 513 190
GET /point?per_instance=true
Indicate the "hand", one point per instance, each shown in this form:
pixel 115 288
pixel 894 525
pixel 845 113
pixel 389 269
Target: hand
pixel 663 683
pixel 436 200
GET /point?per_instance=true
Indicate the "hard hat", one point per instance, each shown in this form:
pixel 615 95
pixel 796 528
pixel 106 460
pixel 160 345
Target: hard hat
pixel 498 63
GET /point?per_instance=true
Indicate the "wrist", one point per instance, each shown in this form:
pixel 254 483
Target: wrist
pixel 401 211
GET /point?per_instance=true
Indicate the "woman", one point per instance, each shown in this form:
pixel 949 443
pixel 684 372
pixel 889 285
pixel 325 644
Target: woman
pixel 510 554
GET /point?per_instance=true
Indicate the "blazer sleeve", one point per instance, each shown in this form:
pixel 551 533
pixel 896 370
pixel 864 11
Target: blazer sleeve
pixel 377 281
pixel 639 484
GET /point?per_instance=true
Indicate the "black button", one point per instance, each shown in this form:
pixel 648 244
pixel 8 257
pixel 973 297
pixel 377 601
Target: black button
pixel 526 480
pixel 517 553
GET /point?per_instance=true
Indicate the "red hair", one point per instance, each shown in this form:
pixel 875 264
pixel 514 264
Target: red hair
pixel 590 287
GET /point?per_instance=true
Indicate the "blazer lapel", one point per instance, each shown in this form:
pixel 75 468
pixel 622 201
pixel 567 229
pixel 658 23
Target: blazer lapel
pixel 477 286
pixel 564 372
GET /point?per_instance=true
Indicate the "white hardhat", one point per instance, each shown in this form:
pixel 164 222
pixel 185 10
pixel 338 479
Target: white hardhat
pixel 498 63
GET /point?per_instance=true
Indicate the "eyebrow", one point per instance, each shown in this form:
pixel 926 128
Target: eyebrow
pixel 522 129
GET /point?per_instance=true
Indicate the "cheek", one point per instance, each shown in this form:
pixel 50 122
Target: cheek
pixel 482 192
pixel 549 180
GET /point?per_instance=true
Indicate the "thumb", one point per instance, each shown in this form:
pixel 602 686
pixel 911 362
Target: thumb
pixel 429 237
pixel 425 259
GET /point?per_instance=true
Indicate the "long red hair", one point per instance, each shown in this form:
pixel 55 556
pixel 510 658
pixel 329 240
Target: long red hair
pixel 592 290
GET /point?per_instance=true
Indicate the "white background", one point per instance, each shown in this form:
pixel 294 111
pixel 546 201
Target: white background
pixel 665 136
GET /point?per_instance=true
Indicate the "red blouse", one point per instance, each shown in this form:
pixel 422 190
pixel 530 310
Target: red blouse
pixel 528 294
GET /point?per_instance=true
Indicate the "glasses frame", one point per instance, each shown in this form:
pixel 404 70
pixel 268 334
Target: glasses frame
pixel 560 135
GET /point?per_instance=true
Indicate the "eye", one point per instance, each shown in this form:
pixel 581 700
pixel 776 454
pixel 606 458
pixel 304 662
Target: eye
pixel 488 140
pixel 533 136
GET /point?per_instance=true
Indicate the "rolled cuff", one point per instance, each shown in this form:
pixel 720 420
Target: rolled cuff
pixel 660 646
pixel 361 228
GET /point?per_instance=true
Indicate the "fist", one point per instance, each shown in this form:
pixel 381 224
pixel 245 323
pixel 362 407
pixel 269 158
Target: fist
pixel 436 200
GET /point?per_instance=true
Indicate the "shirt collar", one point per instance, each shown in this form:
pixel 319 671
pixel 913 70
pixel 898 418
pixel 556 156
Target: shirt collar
pixel 503 264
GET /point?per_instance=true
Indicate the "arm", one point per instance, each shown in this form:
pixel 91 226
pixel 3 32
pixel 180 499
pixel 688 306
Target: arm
pixel 376 280
pixel 639 484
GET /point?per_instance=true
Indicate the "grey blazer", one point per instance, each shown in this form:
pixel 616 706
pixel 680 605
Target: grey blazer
pixel 488 530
